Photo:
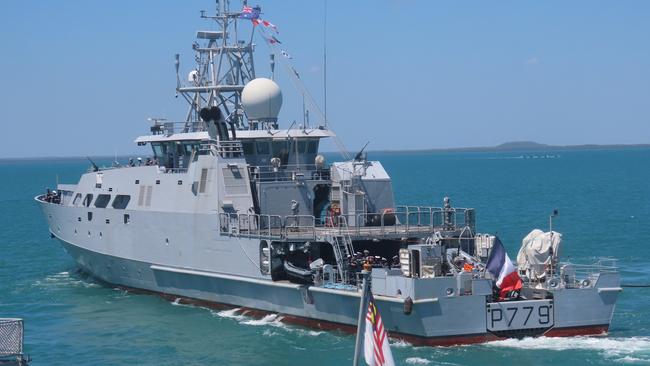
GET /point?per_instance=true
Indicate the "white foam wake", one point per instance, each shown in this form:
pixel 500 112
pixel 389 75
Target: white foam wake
pixel 630 349
pixel 417 361
pixel 400 343
pixel 273 320
pixel 64 279
pixel 235 313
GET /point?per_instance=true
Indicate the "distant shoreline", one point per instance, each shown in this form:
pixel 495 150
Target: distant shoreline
pixel 523 146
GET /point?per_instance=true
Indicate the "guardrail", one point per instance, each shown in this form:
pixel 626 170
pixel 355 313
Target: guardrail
pixel 290 172
pixel 574 275
pixel 404 223
pixel 168 128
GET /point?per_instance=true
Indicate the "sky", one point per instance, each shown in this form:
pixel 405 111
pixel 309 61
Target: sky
pixel 81 77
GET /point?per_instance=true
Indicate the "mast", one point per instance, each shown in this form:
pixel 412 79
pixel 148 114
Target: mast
pixel 224 64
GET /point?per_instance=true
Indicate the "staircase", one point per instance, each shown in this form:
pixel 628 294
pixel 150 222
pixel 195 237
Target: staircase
pixel 343 249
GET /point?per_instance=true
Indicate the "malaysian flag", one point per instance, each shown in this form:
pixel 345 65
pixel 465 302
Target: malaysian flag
pixel 376 347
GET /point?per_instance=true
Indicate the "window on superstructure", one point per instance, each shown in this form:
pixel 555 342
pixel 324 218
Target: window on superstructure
pixel 121 201
pixel 77 199
pixel 281 150
pixel 157 149
pixel 262 147
pixel 312 147
pixel 88 199
pixel 204 180
pixel 302 146
pixel 102 200
pixel 249 148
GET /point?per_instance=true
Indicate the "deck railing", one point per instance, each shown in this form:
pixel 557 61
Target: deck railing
pixel 402 222
pixel 575 275
pixel 289 172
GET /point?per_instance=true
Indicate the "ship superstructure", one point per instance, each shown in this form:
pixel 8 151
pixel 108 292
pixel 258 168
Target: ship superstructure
pixel 232 208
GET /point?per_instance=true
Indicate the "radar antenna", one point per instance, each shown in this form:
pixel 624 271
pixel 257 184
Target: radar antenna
pixel 224 64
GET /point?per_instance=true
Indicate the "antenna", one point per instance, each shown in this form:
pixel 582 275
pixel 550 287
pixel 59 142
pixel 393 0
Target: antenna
pixel 325 62
pixel 359 155
pixel 305 116
pixel 95 167
pixel 177 64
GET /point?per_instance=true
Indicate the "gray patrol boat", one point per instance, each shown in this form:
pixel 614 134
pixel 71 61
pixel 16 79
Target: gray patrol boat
pixel 231 209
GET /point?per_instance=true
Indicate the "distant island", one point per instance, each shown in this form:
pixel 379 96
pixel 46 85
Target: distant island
pixel 513 146
pixel 529 146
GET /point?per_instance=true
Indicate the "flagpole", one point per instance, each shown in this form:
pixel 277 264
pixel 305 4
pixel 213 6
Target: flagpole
pixel 362 313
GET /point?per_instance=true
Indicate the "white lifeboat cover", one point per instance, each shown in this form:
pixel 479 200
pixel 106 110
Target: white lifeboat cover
pixel 538 250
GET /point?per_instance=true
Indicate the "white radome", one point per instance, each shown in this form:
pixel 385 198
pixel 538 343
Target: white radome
pixel 262 99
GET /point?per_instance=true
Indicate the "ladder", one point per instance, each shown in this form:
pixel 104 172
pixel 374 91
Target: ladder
pixel 343 249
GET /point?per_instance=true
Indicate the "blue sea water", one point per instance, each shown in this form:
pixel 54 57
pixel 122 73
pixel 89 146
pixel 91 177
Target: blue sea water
pixel 604 202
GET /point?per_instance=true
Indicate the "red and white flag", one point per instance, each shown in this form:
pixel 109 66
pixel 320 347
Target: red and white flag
pixel 376 348
pixel 268 24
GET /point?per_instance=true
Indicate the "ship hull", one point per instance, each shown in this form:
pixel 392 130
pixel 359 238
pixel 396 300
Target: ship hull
pixel 295 304
pixel 207 276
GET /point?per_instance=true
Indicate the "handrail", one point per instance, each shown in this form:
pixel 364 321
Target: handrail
pixel 404 221
pixel 172 127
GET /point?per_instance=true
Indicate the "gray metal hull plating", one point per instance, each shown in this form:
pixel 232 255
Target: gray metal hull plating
pixel 198 275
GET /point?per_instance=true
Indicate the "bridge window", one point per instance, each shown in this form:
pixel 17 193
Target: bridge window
pixel 302 146
pixel 121 201
pixel 312 147
pixel 77 199
pixel 263 147
pixel 249 147
pixel 88 199
pixel 102 200
pixel 157 149
pixel 281 150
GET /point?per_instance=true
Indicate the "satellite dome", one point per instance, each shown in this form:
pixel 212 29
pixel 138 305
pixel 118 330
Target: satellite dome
pixel 262 99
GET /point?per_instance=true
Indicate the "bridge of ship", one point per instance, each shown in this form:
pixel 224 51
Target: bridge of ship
pixel 408 222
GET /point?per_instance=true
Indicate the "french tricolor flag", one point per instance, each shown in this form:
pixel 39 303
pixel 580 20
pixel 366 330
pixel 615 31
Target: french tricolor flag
pixel 501 268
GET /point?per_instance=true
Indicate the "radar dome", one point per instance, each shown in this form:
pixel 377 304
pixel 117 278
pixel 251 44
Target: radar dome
pixel 262 99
